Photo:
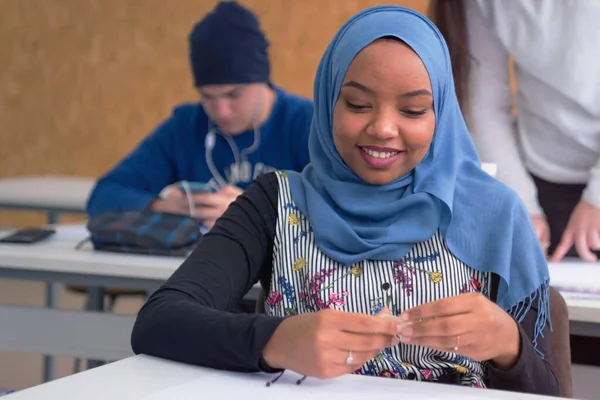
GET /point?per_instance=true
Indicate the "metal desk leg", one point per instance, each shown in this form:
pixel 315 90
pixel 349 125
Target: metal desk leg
pixel 95 302
pixel 51 302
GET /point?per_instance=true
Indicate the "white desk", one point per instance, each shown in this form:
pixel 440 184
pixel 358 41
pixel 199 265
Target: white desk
pixel 84 334
pixel 147 378
pixel 50 194
pixel 92 335
pixel 579 283
pixel 96 335
pixel 53 195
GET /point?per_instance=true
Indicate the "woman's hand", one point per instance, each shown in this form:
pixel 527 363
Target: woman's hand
pixel 319 344
pixel 469 324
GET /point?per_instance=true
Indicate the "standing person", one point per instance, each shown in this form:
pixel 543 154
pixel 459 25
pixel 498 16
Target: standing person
pixel 550 152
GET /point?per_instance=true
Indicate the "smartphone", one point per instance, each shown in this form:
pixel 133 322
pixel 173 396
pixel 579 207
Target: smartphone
pixel 195 187
pixel 28 235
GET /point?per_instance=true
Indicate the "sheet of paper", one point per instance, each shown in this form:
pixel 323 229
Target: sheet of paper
pixel 253 386
pixel 575 276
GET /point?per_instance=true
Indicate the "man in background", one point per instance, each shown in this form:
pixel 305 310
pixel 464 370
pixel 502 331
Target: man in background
pixel 243 127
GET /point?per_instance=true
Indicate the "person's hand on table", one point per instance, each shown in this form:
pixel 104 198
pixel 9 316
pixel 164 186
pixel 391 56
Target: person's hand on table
pixel 469 324
pixel 174 201
pixel 542 230
pixel 210 206
pixel 329 343
pixel 583 231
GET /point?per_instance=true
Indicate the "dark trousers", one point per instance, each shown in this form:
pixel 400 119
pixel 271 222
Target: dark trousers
pixel 558 202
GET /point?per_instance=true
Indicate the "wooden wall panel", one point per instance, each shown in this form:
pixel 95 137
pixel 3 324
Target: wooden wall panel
pixel 83 81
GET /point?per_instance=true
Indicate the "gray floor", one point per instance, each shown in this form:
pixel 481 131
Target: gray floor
pixel 18 370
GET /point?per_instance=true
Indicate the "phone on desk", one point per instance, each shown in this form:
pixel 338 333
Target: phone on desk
pixel 194 187
pixel 28 235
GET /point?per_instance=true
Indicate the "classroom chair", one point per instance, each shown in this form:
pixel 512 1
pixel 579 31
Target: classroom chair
pixel 560 347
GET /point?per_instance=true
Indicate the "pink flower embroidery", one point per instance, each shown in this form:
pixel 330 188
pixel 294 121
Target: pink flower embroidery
pixel 387 374
pixel 403 276
pixel 337 301
pixel 427 374
pixel 274 298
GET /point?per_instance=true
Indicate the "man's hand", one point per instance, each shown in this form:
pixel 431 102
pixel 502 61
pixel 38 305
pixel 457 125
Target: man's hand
pixel 583 231
pixel 210 206
pixel 542 231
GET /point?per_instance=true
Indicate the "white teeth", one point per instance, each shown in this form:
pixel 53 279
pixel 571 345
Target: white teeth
pixel 377 154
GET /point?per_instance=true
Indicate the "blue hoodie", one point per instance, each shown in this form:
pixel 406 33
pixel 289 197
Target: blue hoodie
pixel 176 151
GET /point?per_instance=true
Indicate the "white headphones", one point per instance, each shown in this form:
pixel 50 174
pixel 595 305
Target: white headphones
pixel 242 166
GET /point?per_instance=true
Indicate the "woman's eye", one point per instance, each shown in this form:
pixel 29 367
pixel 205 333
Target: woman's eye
pixel 355 107
pixel 414 113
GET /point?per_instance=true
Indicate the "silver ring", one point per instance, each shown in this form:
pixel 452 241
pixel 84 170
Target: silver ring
pixel 349 359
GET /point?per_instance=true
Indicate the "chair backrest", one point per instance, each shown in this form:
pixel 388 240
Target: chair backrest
pixel 560 346
pixel 260 302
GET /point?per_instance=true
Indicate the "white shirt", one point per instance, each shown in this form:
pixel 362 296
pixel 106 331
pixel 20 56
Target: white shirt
pixel 555 45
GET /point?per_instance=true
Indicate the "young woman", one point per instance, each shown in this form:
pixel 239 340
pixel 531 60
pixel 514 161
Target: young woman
pixel 392 217
pixel 550 153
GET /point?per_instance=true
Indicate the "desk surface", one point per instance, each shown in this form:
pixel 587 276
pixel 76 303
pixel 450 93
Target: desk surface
pixel 61 193
pixel 147 378
pixel 58 254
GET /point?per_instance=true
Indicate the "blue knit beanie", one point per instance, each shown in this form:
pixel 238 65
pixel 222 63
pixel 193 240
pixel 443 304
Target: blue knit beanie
pixel 228 47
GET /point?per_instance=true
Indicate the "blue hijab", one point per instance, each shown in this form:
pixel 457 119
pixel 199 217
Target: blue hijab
pixel 482 221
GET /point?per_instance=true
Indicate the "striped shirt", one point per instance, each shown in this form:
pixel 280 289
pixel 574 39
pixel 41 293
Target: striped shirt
pixel 306 280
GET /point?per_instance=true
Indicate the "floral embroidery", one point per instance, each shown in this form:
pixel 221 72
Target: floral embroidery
pixel 376 305
pixel 337 301
pixel 274 298
pixel 386 373
pixel 391 360
pixel 423 259
pixel 300 236
pixel 288 289
pixel 314 287
pixel 357 270
pixel 299 264
pixel 460 369
pixel 403 277
pixel 434 277
pixel 427 374
pixel 293 220
pixel 371 368
pixel 290 206
pixel 290 311
pixel 473 285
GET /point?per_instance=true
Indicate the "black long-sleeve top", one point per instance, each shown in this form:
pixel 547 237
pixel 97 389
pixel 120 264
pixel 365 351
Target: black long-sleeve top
pixel 190 318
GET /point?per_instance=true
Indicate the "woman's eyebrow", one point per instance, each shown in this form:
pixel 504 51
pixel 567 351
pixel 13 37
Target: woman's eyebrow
pixel 358 86
pixel 420 92
pixel 363 88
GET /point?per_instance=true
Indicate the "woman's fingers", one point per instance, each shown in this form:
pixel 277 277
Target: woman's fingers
pixel 366 342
